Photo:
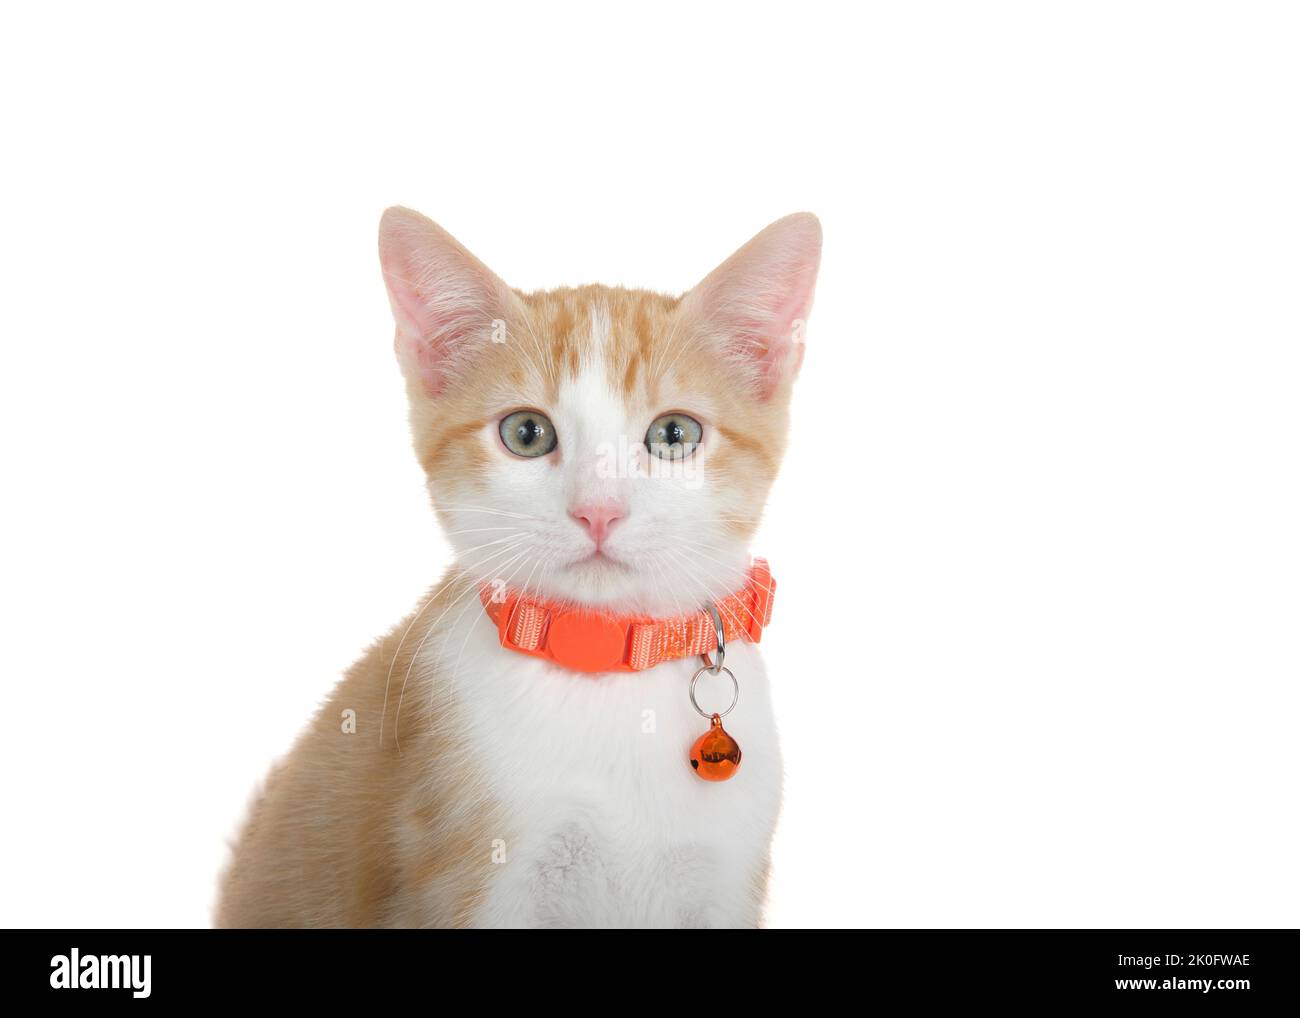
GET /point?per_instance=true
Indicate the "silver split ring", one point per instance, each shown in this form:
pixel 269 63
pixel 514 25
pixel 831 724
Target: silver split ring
pixel 735 695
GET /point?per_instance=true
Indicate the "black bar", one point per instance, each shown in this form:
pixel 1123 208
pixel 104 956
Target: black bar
pixel 1244 970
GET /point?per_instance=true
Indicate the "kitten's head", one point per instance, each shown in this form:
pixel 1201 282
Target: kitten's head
pixel 600 445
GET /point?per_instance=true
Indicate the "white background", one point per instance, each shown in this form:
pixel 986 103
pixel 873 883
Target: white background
pixel 1036 645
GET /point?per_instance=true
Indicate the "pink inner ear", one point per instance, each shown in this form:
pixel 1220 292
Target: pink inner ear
pixel 779 345
pixel 759 299
pixel 421 344
pixel 424 360
pixel 410 310
pixel 443 298
pixel 424 340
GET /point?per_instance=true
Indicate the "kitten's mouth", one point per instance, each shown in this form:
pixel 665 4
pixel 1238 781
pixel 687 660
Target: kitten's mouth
pixel 596 560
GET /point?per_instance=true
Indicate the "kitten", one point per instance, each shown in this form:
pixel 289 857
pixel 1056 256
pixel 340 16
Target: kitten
pixel 595 447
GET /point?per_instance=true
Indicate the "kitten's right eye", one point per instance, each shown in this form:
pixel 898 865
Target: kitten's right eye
pixel 528 433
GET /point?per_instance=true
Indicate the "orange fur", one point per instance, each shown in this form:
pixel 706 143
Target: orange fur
pixel 349 830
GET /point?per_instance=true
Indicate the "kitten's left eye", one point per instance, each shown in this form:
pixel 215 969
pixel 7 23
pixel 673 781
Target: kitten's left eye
pixel 674 436
pixel 528 433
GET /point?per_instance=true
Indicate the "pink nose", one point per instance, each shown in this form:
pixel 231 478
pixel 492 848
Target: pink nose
pixel 599 518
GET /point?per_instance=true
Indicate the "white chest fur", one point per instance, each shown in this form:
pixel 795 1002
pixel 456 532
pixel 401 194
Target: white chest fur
pixel 606 825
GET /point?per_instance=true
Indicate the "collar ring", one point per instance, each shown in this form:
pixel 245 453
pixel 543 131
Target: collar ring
pixel 715 667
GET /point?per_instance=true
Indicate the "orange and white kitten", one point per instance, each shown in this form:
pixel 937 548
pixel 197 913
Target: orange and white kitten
pixel 486 787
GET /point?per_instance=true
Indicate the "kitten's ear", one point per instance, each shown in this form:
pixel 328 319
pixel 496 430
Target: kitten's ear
pixel 444 299
pixel 756 303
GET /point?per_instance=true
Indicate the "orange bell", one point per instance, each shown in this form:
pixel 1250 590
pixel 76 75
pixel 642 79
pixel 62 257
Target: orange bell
pixel 715 755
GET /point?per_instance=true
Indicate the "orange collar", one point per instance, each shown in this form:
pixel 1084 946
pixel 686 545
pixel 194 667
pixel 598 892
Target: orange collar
pixel 589 640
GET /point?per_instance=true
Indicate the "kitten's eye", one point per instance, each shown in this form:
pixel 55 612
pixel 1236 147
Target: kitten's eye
pixel 673 436
pixel 528 433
